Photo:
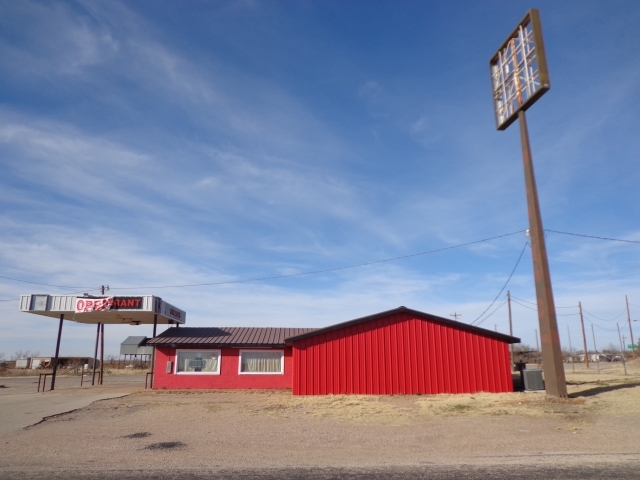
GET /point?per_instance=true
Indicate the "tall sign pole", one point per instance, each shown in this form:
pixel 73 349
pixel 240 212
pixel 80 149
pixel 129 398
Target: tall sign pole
pixel 519 76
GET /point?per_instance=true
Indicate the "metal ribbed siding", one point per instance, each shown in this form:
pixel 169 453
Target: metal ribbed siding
pixel 400 354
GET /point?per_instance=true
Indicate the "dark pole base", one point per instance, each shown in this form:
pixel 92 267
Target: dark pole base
pixel 55 361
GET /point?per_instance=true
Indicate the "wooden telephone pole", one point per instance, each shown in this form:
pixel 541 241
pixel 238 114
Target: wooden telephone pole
pixel 584 337
pixel 633 350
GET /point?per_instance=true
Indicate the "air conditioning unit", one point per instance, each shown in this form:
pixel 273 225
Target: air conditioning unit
pixel 533 380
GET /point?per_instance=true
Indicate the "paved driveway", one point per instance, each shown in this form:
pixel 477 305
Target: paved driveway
pixel 21 405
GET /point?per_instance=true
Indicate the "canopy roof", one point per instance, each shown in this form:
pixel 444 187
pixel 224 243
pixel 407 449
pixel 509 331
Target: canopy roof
pixel 129 309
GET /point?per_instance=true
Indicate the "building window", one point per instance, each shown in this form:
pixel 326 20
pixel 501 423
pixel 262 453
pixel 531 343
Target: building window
pixel 206 362
pixel 270 362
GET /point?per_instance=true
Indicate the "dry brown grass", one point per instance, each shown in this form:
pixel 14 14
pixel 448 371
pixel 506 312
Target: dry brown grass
pixel 362 409
pixel 611 394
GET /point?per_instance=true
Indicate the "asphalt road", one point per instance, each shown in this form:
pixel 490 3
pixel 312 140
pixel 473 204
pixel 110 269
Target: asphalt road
pixel 623 471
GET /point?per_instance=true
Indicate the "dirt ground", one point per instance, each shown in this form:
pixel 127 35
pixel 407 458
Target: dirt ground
pixel 177 430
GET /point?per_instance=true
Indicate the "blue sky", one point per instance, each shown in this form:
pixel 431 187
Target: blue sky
pixel 165 143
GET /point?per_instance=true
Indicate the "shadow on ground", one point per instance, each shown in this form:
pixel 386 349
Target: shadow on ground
pixel 611 388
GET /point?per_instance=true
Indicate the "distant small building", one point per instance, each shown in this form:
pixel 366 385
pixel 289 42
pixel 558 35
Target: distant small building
pixel 23 362
pixel 40 362
pixel 63 362
pixel 134 348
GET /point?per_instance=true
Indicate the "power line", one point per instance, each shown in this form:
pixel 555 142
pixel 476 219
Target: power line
pixel 523 305
pixel 603 319
pixel 504 286
pixel 533 303
pixel 592 236
pixel 494 311
pixel 322 271
pixel 44 284
pixel 535 309
pixel 599 326
pixel 69 293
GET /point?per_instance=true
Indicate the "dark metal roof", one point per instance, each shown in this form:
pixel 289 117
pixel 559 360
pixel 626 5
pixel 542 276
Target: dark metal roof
pixel 227 336
pixel 137 341
pixel 415 313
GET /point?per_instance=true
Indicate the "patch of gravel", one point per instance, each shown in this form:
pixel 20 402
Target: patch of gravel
pixel 257 430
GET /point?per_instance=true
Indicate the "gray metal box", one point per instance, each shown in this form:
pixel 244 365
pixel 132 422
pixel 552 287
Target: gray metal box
pixel 533 380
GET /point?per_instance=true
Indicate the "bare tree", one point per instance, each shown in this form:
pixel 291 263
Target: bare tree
pixel 1 355
pixel 111 360
pixel 18 354
pixel 611 348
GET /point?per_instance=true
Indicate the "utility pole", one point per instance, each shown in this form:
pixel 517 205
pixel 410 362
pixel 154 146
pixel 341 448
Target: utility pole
pixel 510 327
pixel 633 350
pixel 573 364
pixel 455 315
pixel 584 337
pixel 595 347
pixel 621 349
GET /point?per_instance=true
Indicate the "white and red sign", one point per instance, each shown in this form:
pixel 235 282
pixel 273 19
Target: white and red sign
pixel 84 305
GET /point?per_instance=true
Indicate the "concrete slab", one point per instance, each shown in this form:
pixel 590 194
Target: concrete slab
pixel 21 405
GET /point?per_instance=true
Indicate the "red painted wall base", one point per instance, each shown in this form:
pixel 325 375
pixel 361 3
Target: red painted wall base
pixel 228 377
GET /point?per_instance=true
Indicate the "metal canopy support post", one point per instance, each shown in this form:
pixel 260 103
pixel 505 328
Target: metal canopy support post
pixel 153 352
pixel 95 356
pixel 101 352
pixel 555 382
pixel 55 360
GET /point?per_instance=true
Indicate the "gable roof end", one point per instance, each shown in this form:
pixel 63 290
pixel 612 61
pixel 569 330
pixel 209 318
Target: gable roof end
pixel 422 315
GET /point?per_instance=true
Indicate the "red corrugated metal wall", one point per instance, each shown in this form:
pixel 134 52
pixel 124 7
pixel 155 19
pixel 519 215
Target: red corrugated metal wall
pixel 400 354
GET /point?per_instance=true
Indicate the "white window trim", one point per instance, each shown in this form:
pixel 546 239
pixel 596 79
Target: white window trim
pixel 219 352
pixel 254 350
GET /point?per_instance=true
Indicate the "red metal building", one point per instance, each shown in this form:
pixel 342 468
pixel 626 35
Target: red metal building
pixel 401 351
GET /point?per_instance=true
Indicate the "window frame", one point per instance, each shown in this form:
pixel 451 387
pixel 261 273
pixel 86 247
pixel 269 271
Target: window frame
pixel 208 350
pixel 255 350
